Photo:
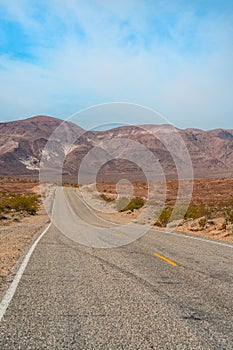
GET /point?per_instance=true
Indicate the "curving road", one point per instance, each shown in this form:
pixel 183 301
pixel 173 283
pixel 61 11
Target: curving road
pixel 162 291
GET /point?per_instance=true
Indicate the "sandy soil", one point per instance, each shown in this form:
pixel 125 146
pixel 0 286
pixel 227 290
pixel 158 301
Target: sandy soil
pixel 17 232
pixel 223 235
pixel 18 186
pixel 206 191
pixel 15 236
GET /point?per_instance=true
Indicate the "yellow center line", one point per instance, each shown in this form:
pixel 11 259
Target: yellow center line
pixel 119 235
pixel 165 259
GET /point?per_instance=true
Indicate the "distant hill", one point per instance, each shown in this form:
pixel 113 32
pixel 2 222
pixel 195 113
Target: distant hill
pixel 22 143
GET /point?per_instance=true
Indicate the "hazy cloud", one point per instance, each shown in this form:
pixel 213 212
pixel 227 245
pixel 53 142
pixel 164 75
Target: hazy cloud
pixel 171 56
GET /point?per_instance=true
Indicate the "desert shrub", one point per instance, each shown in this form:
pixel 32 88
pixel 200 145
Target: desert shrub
pixel 202 222
pixel 106 198
pixel 25 203
pixel 4 203
pixel 164 217
pixel 1 208
pixel 70 184
pixel 123 204
pixel 178 212
pixel 229 215
pixel 197 211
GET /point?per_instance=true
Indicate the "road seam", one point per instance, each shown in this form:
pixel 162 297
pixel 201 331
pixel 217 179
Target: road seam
pixel 11 290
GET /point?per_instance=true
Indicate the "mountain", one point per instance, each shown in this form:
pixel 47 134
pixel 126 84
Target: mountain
pixel 22 143
pixel 123 152
pixel 211 152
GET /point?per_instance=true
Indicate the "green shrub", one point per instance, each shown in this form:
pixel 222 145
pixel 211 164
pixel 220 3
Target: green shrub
pixel 1 208
pixel 229 215
pixel 124 204
pixel 178 213
pixel 25 203
pixel 106 198
pixel 197 211
pixel 164 217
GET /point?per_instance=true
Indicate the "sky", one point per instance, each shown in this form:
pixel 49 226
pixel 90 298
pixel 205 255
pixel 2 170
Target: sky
pixel 58 57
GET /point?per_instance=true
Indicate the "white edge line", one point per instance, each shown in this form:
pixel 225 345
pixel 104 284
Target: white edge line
pixel 93 212
pixel 11 290
pixel 186 235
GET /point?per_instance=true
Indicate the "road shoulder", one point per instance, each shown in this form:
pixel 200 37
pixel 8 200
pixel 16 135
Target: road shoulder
pixel 16 239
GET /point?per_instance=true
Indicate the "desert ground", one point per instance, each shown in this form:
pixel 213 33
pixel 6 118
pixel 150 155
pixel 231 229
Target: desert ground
pixel 214 195
pixel 207 191
pixel 17 230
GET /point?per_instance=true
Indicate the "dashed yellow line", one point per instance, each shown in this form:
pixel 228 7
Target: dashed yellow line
pixel 119 235
pixel 166 259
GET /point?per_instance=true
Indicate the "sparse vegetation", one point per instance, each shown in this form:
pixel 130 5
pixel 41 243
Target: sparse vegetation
pixel 18 180
pixel 125 204
pixel 164 217
pixel 106 198
pixel 195 211
pixel 198 211
pixel 70 184
pixel 229 215
pixel 27 203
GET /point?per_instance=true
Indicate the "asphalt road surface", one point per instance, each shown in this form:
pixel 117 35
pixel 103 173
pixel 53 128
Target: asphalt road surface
pixel 162 291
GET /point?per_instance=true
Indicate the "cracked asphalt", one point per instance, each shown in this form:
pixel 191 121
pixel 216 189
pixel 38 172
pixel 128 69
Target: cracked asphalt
pixel 72 296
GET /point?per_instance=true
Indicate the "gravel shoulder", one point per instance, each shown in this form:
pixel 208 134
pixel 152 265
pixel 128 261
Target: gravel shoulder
pixel 15 237
pixel 222 235
pixel 72 296
pixel 145 216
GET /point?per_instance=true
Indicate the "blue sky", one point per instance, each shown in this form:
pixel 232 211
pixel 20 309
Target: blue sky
pixel 57 57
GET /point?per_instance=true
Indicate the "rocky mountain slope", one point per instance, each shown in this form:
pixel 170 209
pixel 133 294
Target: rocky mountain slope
pixel 116 153
pixel 22 143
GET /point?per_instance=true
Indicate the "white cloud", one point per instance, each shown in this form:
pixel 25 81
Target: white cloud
pixel 85 54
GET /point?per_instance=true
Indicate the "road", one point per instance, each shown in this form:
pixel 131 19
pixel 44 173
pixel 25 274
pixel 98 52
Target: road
pixel 162 291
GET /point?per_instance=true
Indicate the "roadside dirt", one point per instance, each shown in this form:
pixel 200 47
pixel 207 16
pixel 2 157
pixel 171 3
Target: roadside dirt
pixel 215 233
pixel 15 236
pixel 18 186
pixel 205 191
pixel 16 232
